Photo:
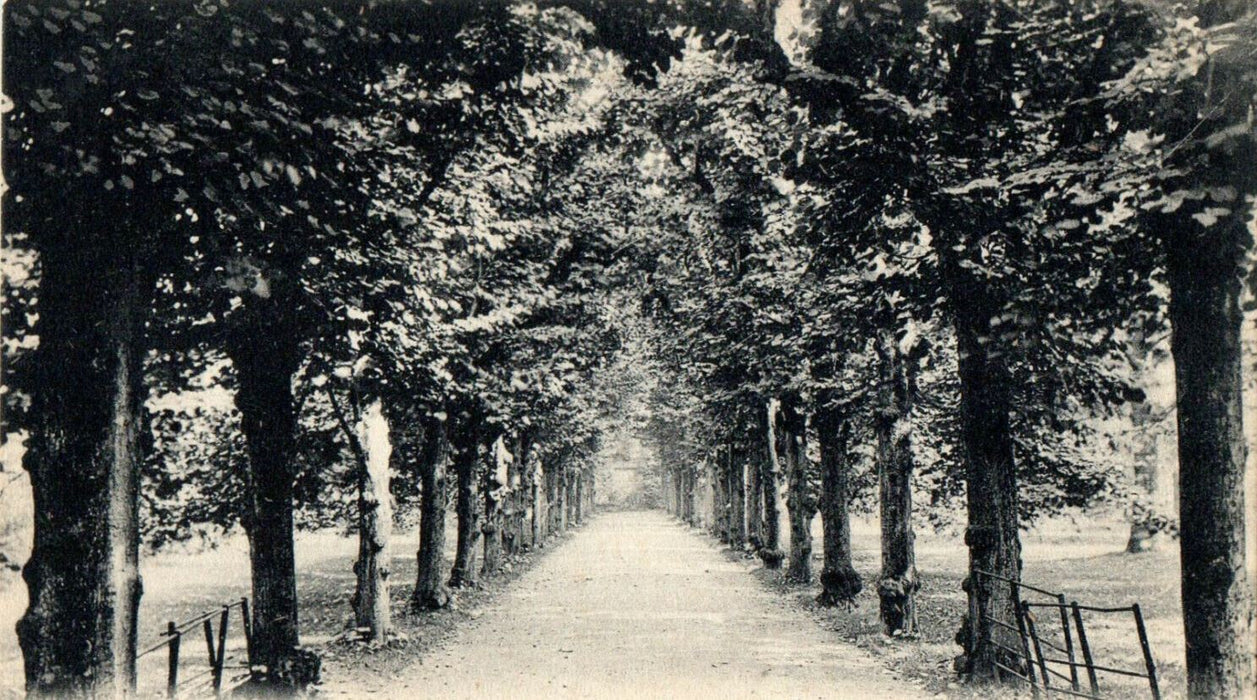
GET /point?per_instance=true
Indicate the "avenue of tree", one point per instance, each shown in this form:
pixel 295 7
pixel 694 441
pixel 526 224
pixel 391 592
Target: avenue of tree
pixel 397 257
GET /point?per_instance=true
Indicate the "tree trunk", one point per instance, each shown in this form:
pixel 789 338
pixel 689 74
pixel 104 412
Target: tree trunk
pixel 898 584
pixel 430 591
pixel 78 635
pixel 691 494
pixel 538 505
pixel 720 497
pixel 1206 279
pixel 265 350
pixel 561 502
pixel 579 487
pixel 754 500
pixel 520 482
pixel 800 500
pixel 375 525
pixel 466 460
pixel 1144 507
pixel 770 477
pixel 737 499
pixel 494 486
pixel 991 487
pixel 839 581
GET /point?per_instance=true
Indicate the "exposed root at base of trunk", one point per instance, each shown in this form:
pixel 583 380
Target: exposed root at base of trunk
pixel 839 588
pixel 772 558
pixel 433 600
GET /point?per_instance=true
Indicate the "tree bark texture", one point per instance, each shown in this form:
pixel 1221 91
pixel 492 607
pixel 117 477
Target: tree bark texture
pixel 561 500
pixel 840 583
pixel 372 611
pixel 539 506
pixel 991 487
pixel 264 348
pixel 754 499
pixel 494 486
pixel 898 583
pixel 801 503
pixel 770 479
pixel 1206 279
pixel 737 498
pixel 718 466
pixel 78 635
pixel 430 590
pixel 1144 508
pixel 466 444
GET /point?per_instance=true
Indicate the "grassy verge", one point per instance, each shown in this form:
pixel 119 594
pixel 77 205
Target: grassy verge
pixel 179 585
pixel 1084 559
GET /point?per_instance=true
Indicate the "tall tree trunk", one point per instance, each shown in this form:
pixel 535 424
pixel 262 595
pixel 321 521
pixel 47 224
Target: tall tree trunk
pixel 754 499
pixel 561 503
pixel 691 494
pixel 494 487
pixel 801 503
pixel 430 591
pixel 1144 510
pixel 1206 278
pixel 375 525
pixel 521 481
pixel 839 581
pixel 991 486
pixel 78 635
pixel 264 348
pixel 579 489
pixel 898 584
pixel 539 505
pixel 466 460
pixel 770 478
pixel 737 499
pixel 720 496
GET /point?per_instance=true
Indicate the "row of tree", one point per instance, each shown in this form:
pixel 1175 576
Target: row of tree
pixel 937 245
pixel 930 237
pixel 362 225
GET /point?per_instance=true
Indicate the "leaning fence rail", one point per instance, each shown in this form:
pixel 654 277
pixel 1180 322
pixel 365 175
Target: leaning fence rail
pixel 215 643
pixel 1049 667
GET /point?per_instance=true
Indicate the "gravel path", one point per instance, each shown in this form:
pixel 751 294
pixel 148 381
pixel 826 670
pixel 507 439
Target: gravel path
pixel 638 606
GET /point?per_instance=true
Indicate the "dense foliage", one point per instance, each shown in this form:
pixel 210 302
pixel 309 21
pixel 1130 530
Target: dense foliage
pixel 909 254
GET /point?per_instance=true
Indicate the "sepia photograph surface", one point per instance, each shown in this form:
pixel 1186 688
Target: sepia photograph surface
pixel 628 349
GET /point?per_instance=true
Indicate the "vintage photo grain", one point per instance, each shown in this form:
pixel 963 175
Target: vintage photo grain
pixel 628 349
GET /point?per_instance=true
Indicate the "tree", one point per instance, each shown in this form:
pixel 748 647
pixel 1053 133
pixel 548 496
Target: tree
pixel 898 583
pixel 840 583
pixel 1199 211
pixel 430 591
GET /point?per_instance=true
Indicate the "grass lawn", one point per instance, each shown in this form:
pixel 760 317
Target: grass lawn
pixel 179 585
pixel 1084 559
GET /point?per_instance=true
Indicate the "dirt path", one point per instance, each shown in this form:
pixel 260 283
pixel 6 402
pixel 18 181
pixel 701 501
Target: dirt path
pixel 638 606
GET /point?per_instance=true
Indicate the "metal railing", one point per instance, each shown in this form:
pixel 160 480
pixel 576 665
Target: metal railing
pixel 215 644
pixel 1046 653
